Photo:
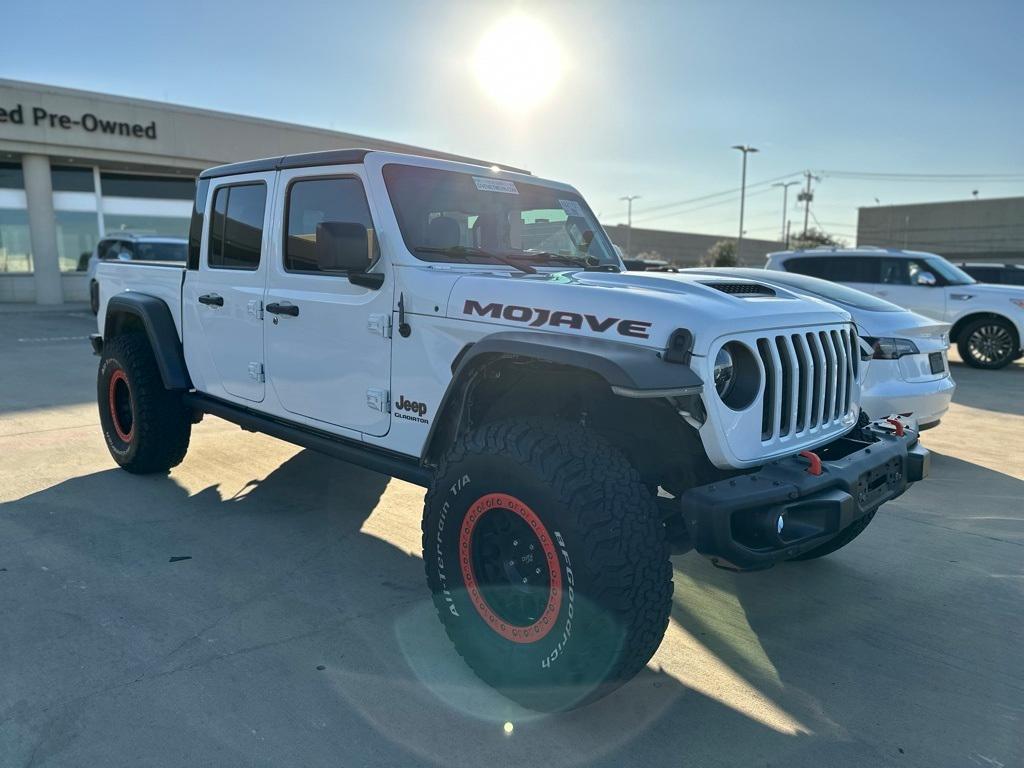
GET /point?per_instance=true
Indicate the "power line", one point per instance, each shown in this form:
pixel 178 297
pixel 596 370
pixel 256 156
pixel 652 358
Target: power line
pixel 701 198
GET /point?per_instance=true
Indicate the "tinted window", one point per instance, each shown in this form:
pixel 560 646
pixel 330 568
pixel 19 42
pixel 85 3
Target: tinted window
pixel 895 271
pixel 1013 276
pixel 155 251
pixel 132 185
pixel 841 269
pixel 236 226
pixel 71 179
pixel 312 201
pixel 195 230
pixel 11 176
pixel 984 274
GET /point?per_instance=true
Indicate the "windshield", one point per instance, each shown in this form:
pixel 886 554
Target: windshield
pixel 952 273
pixel 175 251
pixel 447 215
pixel 822 288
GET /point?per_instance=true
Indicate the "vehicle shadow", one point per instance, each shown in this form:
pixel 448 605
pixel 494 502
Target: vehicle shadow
pixel 999 391
pixel 146 623
pixel 903 644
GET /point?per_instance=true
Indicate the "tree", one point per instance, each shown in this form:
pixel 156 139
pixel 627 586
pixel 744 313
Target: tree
pixel 815 238
pixel 721 254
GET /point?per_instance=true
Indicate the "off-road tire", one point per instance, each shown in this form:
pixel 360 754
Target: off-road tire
pixel 153 430
pixel 609 549
pixel 1002 329
pixel 848 534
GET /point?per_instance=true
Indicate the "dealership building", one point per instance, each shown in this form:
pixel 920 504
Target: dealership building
pixel 75 165
pixel 983 230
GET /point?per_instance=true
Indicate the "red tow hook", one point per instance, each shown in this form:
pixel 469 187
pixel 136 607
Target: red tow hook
pixel 811 456
pixel 899 426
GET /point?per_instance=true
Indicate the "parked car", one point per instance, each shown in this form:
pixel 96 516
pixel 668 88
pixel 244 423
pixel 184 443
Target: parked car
pixel 908 371
pixel 471 329
pixel 996 274
pixel 126 246
pixel 987 320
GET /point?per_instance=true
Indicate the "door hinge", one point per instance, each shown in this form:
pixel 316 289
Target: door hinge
pixel 255 308
pixel 380 324
pixel 378 400
pixel 256 371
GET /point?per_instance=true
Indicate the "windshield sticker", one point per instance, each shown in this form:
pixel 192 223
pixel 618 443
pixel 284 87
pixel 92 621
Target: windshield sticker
pixel 495 185
pixel 572 208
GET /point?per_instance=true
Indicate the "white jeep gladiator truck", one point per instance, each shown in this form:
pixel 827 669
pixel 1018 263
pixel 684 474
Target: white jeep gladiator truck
pixel 471 329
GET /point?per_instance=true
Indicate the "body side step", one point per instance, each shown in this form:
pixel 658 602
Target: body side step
pixel 364 455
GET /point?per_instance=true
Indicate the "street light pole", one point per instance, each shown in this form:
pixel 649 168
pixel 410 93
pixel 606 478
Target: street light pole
pixel 629 222
pixel 745 149
pixel 785 193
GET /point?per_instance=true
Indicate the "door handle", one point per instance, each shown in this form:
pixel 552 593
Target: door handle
pixel 283 309
pixel 211 299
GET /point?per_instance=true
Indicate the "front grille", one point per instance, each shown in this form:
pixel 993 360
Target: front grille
pixel 743 289
pixel 809 380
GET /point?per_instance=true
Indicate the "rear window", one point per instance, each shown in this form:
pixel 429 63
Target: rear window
pixel 161 251
pixel 236 226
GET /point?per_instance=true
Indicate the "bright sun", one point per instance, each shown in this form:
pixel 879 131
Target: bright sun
pixel 518 62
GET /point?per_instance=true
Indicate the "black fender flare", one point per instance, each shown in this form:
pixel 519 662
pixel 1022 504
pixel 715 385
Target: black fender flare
pixel 158 323
pixel 629 370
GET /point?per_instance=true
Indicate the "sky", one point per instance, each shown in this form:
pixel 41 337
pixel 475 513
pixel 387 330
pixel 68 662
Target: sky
pixel 894 101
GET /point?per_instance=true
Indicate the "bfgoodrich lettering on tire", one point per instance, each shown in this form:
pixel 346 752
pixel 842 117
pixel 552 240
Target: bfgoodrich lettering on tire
pixel 547 561
pixel 145 426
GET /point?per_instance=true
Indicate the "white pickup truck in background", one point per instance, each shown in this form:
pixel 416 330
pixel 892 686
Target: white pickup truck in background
pixel 471 329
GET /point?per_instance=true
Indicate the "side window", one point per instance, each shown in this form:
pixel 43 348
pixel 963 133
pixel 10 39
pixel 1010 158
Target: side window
pixel 312 201
pixel 195 228
pixel 103 250
pixel 236 226
pixel 807 266
pixel 897 271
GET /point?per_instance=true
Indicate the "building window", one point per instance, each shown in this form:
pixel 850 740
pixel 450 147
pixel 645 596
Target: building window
pixel 15 244
pixel 77 233
pixel 152 187
pixel 11 176
pixel 236 227
pixel 66 178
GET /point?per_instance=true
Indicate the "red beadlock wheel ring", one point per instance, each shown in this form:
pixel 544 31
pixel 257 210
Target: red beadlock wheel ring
pixel 116 377
pixel 517 634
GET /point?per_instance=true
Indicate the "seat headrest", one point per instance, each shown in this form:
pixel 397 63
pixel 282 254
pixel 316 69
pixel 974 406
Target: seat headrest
pixel 443 232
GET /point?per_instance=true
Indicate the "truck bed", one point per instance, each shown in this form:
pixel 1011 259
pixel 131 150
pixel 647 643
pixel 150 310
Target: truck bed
pixel 162 279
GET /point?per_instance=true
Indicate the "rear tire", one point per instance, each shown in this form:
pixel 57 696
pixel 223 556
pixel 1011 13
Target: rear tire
pixel 988 343
pixel 146 427
pixel 848 534
pixel 547 561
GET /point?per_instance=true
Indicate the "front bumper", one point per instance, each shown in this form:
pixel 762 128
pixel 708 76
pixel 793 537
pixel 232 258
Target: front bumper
pixel 736 524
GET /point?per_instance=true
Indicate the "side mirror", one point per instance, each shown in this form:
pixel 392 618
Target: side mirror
pixel 925 277
pixel 343 246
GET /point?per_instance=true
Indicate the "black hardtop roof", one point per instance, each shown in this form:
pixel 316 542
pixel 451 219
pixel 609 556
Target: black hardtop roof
pixel 310 159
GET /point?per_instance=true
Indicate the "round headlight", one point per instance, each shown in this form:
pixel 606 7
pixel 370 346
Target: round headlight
pixel 737 376
pixel 725 372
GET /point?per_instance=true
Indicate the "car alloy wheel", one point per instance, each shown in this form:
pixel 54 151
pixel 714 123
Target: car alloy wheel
pixel 990 343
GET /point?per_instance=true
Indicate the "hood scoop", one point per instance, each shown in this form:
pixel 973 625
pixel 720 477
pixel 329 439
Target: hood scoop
pixel 742 289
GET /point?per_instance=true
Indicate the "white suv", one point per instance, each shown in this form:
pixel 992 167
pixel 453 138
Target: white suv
pixel 987 320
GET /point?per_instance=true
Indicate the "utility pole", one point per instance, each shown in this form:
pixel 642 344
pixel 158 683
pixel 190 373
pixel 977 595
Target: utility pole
pixel 745 149
pixel 629 222
pixel 785 193
pixel 805 197
pixel 786 240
